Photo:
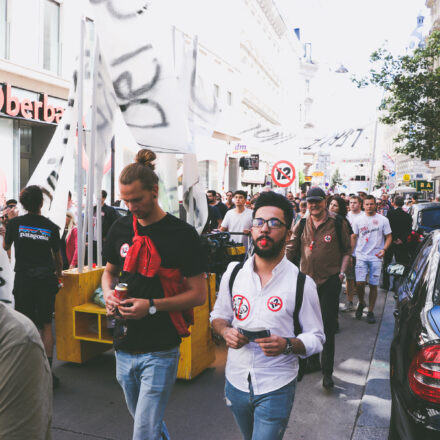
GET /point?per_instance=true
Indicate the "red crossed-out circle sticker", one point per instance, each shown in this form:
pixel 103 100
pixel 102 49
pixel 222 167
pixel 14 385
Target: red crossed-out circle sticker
pixel 274 303
pixel 283 173
pixel 241 307
pixel 124 250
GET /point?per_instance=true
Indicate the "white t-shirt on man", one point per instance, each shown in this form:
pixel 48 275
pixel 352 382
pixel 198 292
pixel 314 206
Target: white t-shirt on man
pixel 351 216
pixel 371 231
pixel 237 222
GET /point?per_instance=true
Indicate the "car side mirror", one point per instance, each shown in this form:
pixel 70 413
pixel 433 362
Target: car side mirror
pixel 396 270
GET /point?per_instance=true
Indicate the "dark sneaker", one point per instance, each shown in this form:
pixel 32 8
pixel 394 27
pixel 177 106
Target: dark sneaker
pixel 55 381
pixel 360 310
pixel 371 319
pixel 327 381
pixel 337 329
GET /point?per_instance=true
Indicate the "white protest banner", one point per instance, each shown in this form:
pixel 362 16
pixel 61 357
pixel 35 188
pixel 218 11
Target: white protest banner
pixel 166 169
pixel 50 168
pixel 137 42
pixel 194 197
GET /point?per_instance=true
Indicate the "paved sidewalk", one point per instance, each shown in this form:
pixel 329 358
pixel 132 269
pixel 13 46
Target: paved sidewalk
pixel 375 409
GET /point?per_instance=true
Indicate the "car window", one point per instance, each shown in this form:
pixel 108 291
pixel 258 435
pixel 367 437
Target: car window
pixel 431 218
pixel 417 270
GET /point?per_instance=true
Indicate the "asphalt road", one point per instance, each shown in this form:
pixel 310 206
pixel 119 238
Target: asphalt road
pixel 89 403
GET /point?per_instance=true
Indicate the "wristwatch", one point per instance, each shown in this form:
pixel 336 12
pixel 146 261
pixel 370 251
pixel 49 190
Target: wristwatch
pixel 152 310
pixel 289 347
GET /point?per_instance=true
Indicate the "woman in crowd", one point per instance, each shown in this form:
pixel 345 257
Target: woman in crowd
pixel 70 238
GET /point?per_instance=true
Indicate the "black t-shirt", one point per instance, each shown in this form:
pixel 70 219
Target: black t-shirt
pixel 223 209
pixel 34 237
pixel 179 247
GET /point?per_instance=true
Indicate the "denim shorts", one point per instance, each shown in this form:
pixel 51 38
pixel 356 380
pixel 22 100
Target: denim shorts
pixel 370 268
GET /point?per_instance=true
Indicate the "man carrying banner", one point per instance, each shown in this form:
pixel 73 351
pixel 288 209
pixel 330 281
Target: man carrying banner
pixel 164 268
pixel 38 264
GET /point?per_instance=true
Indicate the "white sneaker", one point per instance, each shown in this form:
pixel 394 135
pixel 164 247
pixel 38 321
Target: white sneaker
pixel 348 307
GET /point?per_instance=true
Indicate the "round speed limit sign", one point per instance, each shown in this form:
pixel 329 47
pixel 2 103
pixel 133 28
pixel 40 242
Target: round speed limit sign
pixel 283 173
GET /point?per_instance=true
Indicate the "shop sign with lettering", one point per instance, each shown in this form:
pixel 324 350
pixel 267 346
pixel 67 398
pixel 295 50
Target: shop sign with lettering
pixel 39 110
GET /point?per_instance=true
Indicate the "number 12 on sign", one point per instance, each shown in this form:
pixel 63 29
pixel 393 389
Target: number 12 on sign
pixel 283 173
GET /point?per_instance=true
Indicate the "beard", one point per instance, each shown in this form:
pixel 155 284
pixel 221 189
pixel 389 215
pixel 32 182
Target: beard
pixel 271 252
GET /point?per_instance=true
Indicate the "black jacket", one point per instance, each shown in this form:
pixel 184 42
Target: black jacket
pixel 401 224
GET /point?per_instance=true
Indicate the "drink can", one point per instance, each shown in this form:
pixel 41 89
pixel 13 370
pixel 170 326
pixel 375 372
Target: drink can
pixel 121 291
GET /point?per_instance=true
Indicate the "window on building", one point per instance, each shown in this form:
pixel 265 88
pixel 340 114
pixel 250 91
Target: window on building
pixel 3 29
pixel 229 98
pixel 51 36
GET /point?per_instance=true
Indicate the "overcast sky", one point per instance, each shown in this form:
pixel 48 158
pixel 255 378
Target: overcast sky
pixel 347 31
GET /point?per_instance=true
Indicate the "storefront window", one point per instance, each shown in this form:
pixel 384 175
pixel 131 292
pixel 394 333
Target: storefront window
pixel 3 29
pixel 51 34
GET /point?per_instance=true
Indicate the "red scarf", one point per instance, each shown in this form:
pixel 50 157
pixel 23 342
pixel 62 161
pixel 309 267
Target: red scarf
pixel 143 258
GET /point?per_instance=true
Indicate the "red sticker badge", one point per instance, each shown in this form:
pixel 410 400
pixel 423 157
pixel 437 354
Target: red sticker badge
pixel 124 250
pixel 241 307
pixel 328 238
pixel 274 303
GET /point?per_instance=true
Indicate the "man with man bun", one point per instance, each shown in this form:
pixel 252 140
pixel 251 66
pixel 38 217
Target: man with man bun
pixel 163 265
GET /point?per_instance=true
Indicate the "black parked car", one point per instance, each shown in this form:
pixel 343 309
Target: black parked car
pixel 415 349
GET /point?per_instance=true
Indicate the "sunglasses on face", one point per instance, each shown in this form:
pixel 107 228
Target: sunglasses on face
pixel 272 223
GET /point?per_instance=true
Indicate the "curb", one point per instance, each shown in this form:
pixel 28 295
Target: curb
pixel 373 418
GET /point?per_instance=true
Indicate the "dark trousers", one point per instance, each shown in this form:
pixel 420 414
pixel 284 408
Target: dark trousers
pixel 400 253
pixel 328 294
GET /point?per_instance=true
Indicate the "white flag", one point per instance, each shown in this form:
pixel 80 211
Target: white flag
pixel 137 44
pixel 194 197
pixel 51 167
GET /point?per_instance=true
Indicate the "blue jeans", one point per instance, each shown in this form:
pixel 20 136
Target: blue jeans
pixel 262 417
pixel 147 380
pixel 371 268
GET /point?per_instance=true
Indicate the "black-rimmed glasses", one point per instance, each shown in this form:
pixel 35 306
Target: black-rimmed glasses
pixel 272 223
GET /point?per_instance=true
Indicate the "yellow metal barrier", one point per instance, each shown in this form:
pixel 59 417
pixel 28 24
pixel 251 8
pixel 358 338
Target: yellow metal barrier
pixel 81 326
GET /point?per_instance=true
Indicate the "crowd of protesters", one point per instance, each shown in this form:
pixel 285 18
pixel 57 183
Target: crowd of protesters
pixel 305 247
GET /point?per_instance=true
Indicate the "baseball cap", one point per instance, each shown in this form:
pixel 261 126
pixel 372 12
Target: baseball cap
pixel 315 193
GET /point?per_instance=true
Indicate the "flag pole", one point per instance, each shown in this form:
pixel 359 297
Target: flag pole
pixel 98 189
pixel 91 175
pixel 79 179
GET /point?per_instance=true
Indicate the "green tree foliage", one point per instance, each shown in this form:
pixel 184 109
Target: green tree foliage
pixel 380 179
pixel 412 96
pixel 336 179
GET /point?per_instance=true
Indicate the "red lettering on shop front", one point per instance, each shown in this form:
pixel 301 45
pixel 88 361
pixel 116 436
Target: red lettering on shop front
pixel 26 106
pixel 59 114
pixel 37 110
pixel 11 100
pixel 48 110
pixel 37 106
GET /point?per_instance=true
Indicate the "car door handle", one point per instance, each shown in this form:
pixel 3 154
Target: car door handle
pixel 396 313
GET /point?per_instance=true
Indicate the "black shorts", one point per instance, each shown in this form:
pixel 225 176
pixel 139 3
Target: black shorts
pixel 35 298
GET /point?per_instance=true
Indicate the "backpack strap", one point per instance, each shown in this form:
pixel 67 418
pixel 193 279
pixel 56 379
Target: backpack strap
pixel 302 225
pixel 300 282
pixel 234 273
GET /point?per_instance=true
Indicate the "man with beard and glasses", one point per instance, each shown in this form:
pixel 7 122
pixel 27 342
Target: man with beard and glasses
pixel 262 367
pixel 322 241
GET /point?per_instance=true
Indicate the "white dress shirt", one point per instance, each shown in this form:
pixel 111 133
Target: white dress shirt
pixel 270 307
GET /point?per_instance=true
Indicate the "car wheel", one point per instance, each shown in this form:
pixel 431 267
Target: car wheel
pixel 393 434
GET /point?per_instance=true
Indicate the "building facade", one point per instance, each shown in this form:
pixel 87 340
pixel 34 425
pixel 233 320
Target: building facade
pixel 36 60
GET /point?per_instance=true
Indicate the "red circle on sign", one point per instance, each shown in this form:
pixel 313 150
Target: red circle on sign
pixel 274 303
pixel 283 173
pixel 241 307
